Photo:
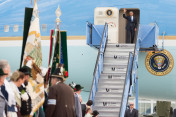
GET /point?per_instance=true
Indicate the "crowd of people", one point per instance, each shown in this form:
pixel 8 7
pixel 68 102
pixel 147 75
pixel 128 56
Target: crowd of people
pixel 61 100
pixel 15 100
pixel 66 101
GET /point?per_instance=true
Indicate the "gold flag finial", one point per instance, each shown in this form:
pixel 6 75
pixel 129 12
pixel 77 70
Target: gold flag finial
pixel 58 14
pixel 34 1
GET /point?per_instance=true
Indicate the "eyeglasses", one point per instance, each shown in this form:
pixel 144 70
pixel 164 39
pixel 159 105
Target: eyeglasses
pixel 131 104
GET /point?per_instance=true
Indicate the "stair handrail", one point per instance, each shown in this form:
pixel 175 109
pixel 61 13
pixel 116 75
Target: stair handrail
pixel 99 63
pixel 134 53
pixel 133 74
pixel 132 59
pixel 126 88
pixel 102 46
pixel 135 56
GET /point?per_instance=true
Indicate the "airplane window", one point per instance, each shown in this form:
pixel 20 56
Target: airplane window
pixel 15 28
pixel 44 27
pixel 6 28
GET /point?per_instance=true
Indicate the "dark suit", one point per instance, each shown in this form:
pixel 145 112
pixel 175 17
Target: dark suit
pixel 61 101
pixel 130 27
pixel 174 114
pixel 26 106
pixel 83 106
pixel 134 113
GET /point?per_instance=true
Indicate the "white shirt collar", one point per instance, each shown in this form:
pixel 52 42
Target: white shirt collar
pixel 23 85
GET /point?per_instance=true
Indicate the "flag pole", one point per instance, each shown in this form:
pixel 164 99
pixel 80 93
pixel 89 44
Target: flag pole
pixel 58 14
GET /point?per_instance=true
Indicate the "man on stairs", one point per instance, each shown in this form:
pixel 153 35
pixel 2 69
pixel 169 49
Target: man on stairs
pixel 131 112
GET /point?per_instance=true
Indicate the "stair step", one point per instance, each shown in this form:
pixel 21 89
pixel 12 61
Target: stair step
pixel 110 53
pixel 108 113
pixel 115 61
pixel 108 94
pixel 107 104
pixel 101 100
pixel 115 64
pixel 119 50
pixel 113 68
pixel 116 71
pixel 113 81
pixel 113 76
pixel 116 45
pixel 121 58
pixel 121 46
pixel 107 85
pixel 106 108
pixel 117 57
pixel 111 90
pixel 110 83
pixel 108 100
pixel 111 65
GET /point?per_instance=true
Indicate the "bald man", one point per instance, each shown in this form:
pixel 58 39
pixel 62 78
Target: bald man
pixel 131 26
pixel 131 112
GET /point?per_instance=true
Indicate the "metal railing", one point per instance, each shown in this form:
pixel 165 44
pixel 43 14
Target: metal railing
pixel 99 63
pixel 89 33
pixel 126 86
pixel 130 78
pixel 134 66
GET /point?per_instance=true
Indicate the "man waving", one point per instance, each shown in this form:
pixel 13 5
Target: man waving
pixel 131 26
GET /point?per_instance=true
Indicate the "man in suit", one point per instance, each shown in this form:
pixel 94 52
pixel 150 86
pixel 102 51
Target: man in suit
pixel 61 102
pixel 131 26
pixel 131 112
pixel 78 100
pixel 174 113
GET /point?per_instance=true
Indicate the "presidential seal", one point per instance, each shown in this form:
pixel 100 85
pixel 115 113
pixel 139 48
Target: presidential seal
pixel 159 63
pixel 109 12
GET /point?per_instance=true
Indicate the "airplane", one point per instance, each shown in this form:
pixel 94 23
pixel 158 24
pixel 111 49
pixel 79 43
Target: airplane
pixel 82 58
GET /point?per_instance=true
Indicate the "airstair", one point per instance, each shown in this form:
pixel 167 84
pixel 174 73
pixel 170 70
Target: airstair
pixel 115 73
pixel 110 88
pixel 112 81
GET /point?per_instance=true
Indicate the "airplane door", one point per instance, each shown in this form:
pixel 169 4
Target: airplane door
pixel 123 22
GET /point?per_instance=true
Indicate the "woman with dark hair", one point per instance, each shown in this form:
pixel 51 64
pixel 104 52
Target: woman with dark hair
pixel 86 106
pixel 95 113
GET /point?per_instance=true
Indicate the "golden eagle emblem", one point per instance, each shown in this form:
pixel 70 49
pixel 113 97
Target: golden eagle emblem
pixel 159 60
